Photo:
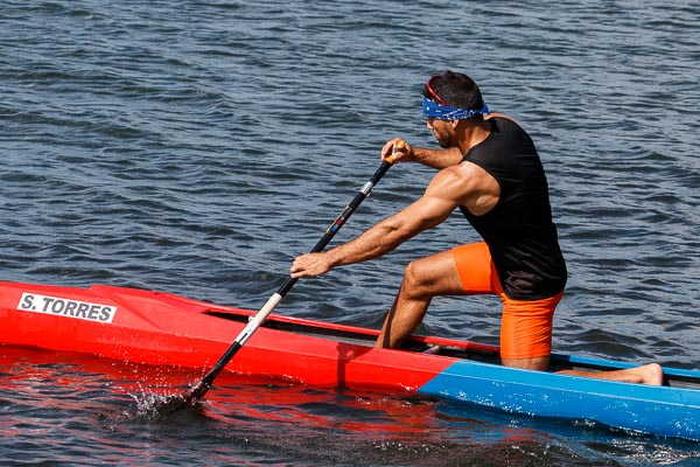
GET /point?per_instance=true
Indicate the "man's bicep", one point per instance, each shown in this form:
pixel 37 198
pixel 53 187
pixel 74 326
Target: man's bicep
pixel 427 212
pixel 441 197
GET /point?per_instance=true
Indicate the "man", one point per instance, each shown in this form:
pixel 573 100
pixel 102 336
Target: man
pixel 490 170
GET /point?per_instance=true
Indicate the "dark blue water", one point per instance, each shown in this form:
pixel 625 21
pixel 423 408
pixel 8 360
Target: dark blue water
pixel 197 147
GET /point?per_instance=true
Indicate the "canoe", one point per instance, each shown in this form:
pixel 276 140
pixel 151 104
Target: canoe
pixel 159 328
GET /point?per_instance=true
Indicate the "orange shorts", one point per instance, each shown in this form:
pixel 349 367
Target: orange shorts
pixel 526 325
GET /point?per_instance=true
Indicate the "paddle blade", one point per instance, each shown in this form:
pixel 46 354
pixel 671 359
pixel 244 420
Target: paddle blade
pixel 172 404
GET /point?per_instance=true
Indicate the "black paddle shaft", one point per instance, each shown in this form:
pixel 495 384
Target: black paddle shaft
pixel 340 221
pixel 205 384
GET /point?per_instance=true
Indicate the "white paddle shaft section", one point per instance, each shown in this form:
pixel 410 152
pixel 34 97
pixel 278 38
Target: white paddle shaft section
pixel 258 319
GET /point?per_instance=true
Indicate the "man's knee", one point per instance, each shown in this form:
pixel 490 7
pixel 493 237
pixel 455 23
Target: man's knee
pixel 533 363
pixel 415 282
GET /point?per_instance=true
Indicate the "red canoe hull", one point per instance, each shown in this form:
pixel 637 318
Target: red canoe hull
pixel 164 329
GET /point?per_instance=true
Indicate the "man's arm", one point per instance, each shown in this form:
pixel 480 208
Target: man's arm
pixel 437 158
pixel 441 197
pixel 398 149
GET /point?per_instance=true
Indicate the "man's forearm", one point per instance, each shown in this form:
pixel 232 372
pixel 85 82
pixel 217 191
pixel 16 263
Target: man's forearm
pixel 374 242
pixel 437 158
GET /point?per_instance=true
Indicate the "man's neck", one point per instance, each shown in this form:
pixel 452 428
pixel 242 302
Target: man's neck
pixel 472 134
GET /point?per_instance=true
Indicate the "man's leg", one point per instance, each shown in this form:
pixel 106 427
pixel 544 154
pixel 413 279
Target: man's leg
pixel 423 279
pixel 526 332
pixel 534 363
pixel 645 374
pixel 441 274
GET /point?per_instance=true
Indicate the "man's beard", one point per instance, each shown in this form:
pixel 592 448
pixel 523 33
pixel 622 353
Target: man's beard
pixel 445 143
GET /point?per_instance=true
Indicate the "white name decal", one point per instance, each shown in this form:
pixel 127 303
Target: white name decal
pixel 66 308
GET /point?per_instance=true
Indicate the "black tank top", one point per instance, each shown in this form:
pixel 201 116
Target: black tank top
pixel 519 230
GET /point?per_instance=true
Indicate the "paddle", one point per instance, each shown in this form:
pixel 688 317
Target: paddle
pixel 256 321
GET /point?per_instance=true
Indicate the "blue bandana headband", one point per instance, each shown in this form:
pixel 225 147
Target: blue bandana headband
pixel 432 109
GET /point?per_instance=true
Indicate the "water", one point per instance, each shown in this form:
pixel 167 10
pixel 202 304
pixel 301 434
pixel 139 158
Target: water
pixel 197 148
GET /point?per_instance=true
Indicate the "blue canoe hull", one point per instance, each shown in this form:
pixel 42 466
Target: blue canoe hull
pixel 658 410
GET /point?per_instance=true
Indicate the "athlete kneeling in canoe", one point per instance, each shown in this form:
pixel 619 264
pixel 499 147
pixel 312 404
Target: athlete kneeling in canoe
pixel 490 169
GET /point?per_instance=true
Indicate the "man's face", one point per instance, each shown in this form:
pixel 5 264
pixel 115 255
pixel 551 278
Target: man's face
pixel 443 131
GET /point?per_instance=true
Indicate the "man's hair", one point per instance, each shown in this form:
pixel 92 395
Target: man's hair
pixel 456 89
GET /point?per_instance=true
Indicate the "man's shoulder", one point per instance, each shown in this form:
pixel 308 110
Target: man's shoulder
pixel 454 173
pixel 467 169
pixel 462 177
pixel 464 185
pixel 501 116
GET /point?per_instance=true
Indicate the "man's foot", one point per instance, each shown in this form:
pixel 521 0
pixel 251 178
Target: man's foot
pixel 649 374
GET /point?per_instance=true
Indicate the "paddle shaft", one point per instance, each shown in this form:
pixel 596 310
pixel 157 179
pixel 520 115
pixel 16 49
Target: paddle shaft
pixel 256 321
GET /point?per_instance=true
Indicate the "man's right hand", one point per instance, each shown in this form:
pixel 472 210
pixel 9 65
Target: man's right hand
pixel 310 264
pixel 397 150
